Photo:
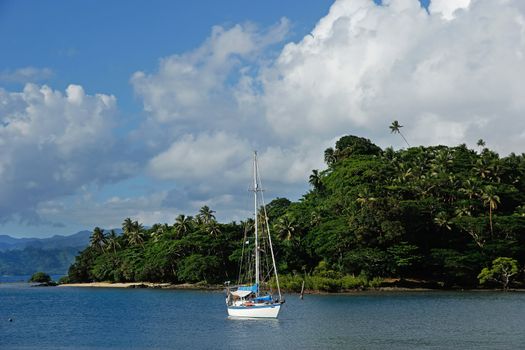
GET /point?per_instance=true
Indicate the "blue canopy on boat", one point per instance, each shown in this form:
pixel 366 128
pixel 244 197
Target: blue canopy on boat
pixel 253 288
pixel 264 298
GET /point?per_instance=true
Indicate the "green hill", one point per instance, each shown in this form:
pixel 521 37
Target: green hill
pixel 438 213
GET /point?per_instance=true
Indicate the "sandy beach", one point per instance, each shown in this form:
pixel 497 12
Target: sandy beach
pixel 140 285
pixel 117 285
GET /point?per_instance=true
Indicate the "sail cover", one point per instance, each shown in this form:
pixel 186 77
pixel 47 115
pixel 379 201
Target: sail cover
pixel 264 298
pixel 253 288
pixel 241 293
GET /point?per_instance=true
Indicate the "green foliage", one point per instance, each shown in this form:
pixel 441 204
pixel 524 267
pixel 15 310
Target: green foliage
pixel 40 277
pixel 435 213
pixel 196 268
pixel 502 271
pixel 64 280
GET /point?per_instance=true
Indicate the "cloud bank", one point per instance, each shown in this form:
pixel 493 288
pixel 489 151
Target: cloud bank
pixel 53 143
pixel 451 74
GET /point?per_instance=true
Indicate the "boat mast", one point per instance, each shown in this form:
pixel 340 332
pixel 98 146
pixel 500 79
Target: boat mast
pixel 255 190
pixel 269 237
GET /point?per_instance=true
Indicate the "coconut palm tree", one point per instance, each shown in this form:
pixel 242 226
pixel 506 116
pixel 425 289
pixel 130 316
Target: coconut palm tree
pixel 395 128
pixel 480 143
pixel 182 224
pixel 329 156
pixel 442 220
pixel 98 239
pixel 315 180
pixel 137 235
pixel 127 225
pixel 157 231
pixel 492 200
pixel 112 242
pixel 214 228
pixel 286 227
pixel 206 215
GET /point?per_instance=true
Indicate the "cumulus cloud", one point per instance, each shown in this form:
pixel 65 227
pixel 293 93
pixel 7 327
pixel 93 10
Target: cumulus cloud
pixel 199 85
pixel 447 8
pixel 451 76
pixel 49 140
pixel 200 157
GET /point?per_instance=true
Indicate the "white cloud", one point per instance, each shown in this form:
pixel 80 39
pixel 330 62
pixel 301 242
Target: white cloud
pixel 200 157
pixel 447 8
pixel 199 85
pixel 450 75
pixel 458 69
pixel 25 75
pixel 52 145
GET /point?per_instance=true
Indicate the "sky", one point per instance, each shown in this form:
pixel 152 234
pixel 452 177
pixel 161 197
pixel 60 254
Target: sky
pixel 148 110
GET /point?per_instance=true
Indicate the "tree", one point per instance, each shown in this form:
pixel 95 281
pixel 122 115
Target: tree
pixel 329 156
pixel 182 224
pixel 492 200
pixel 502 271
pixel 206 215
pixel 395 128
pixel 40 277
pixel 97 239
pixel 442 220
pixel 480 143
pixel 214 228
pixel 127 225
pixel 136 235
pixel 112 243
pixel 315 180
pixel 286 227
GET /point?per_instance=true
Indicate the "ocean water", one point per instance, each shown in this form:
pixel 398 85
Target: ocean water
pixel 91 318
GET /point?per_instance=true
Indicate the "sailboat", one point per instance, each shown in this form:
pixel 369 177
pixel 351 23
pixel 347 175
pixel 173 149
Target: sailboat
pixel 253 296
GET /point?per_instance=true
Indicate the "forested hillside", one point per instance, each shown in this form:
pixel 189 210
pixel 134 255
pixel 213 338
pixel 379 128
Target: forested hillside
pixel 438 213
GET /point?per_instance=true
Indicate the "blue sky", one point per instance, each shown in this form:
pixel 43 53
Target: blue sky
pixel 147 110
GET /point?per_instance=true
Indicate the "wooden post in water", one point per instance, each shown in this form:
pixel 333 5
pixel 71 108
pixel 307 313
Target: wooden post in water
pixel 302 291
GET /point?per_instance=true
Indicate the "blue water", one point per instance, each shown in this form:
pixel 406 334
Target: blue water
pixel 89 318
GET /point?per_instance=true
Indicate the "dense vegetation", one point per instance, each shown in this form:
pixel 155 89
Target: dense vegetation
pixel 40 277
pixel 440 214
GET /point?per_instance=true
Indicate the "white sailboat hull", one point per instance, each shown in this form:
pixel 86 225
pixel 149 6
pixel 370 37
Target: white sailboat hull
pixel 262 311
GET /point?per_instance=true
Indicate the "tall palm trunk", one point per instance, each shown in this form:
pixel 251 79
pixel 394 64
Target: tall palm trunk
pixel 490 221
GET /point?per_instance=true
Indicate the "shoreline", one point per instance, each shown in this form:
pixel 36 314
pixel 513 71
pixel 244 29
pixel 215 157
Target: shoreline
pixel 139 285
pixel 189 286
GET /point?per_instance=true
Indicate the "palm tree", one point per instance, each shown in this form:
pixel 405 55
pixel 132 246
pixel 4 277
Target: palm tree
pixel 157 231
pixel 286 227
pixel 214 229
pixel 480 143
pixel 136 236
pixel 182 224
pixel 395 128
pixel 329 156
pixel 127 225
pixel 442 220
pixel 315 180
pixel 112 242
pixel 97 239
pixel 470 188
pixel 206 215
pixel 492 200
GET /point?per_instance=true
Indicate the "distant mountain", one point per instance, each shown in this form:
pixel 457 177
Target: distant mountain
pixel 54 255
